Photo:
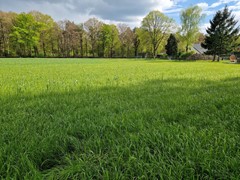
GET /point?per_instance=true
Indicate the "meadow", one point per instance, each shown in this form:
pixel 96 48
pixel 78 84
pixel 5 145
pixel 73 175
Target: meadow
pixel 119 119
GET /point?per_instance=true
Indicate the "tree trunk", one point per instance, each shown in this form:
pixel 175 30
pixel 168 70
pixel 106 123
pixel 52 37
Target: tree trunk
pixel 52 49
pixel 86 48
pixel 35 51
pixel 154 51
pixel 93 50
pixel 44 49
pixel 214 57
pixel 81 47
pixel 128 52
pixel 187 47
pixel 136 51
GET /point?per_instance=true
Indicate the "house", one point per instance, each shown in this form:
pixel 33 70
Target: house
pixel 198 49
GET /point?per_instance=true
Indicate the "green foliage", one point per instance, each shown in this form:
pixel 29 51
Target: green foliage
pixel 185 55
pixel 38 35
pixel 222 35
pixel 6 23
pixel 48 33
pixel 172 46
pixel 145 45
pixel 114 119
pixel 25 34
pixel 93 29
pixel 136 41
pixel 109 39
pixel 190 18
pixel 156 26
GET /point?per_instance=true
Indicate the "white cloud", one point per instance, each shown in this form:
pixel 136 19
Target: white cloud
pixel 203 5
pixel 176 10
pixel 214 5
pixel 204 27
pixel 130 12
pixel 80 10
pixel 222 2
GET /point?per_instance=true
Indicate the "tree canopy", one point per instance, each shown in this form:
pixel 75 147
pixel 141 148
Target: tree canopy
pixel 190 19
pixel 25 34
pixel 157 25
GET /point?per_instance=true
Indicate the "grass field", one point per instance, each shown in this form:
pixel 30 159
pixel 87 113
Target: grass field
pixel 119 119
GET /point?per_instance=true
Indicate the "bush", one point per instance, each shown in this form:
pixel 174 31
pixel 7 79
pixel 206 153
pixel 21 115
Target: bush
pixel 200 57
pixel 185 56
pixel 162 56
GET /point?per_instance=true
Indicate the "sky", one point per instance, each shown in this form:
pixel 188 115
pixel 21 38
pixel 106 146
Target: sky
pixel 130 12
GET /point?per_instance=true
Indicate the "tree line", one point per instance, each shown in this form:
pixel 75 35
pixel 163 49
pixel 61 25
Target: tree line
pixel 35 34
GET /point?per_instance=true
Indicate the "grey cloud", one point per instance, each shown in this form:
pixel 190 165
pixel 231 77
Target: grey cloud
pixel 124 11
pixel 117 10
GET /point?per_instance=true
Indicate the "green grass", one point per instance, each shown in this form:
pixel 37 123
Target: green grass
pixel 119 119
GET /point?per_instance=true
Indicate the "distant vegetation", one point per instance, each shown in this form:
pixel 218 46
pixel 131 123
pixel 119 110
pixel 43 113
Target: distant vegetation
pixel 35 34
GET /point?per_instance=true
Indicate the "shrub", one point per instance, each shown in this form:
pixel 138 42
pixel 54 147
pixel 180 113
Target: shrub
pixel 200 57
pixel 185 56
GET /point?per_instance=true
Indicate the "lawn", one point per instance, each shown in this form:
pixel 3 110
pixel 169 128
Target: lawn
pixel 119 119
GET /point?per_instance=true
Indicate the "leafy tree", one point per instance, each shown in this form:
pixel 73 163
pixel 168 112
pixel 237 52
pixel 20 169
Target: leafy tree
pixel 72 37
pixel 172 46
pixel 145 46
pixel 109 40
pixel 126 37
pixel 114 40
pixel 222 34
pixel 104 39
pixel 201 38
pixel 136 41
pixel 93 27
pixel 157 26
pixel 6 23
pixel 25 34
pixel 47 32
pixel 81 34
pixel 190 18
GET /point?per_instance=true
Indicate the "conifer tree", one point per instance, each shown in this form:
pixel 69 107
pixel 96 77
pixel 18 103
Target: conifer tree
pixel 222 34
pixel 172 46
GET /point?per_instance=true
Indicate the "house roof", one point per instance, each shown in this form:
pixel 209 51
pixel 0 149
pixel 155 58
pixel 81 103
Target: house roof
pixel 199 48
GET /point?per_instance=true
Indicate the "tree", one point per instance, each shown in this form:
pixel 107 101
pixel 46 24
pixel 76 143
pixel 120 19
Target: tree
pixel 136 41
pixel 81 34
pixel 72 36
pixel 109 40
pixel 6 24
pixel 222 34
pixel 145 45
pixel 201 38
pixel 114 40
pixel 190 18
pixel 126 37
pixel 47 33
pixel 157 26
pixel 62 42
pixel 104 39
pixel 172 46
pixel 25 34
pixel 93 27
